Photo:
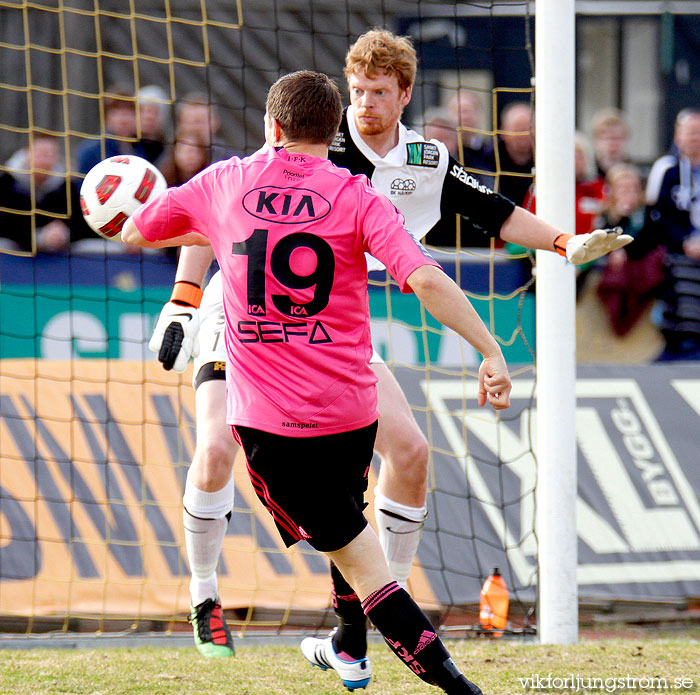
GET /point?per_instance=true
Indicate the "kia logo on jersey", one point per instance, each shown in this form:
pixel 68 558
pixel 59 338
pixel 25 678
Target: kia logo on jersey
pixel 286 205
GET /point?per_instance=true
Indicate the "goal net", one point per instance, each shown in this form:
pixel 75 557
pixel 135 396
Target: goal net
pixel 96 438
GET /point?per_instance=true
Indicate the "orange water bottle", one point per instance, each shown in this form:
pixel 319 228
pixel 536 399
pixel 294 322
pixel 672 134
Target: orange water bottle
pixel 493 604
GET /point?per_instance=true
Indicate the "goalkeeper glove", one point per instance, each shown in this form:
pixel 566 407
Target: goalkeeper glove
pixel 583 248
pixel 175 337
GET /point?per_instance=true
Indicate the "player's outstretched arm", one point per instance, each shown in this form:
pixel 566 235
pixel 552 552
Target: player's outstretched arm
pixel 132 235
pixel 442 297
pixel 526 229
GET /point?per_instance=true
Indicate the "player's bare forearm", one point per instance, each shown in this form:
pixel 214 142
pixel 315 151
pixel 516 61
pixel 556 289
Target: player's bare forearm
pixel 193 264
pixel 131 235
pixel 447 303
pixel 525 229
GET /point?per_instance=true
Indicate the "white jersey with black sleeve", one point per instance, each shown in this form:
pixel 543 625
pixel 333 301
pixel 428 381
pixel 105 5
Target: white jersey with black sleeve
pixel 410 175
pixel 422 180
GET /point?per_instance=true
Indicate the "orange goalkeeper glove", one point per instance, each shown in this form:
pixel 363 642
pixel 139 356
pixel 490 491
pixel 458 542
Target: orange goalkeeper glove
pixel 584 248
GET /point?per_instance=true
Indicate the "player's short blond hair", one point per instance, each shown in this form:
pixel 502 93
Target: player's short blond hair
pixel 379 49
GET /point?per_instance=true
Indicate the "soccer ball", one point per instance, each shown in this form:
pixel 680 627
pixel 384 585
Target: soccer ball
pixel 113 189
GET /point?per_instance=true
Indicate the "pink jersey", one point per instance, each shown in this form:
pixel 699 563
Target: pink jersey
pixel 290 232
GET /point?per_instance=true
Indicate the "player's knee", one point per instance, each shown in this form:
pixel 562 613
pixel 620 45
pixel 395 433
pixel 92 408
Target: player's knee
pixel 409 455
pixel 214 460
pixel 416 450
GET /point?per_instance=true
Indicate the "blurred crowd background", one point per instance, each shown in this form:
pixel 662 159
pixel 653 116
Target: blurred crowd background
pixel 637 149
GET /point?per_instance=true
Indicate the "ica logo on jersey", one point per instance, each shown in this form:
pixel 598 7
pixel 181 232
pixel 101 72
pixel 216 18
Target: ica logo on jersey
pixel 286 205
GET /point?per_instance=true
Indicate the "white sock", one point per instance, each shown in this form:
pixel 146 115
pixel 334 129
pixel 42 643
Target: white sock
pixel 205 525
pixel 399 528
pixel 203 540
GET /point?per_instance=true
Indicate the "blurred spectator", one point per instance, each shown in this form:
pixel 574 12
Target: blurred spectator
pixel 152 118
pixel 196 113
pixel 673 195
pixel 673 188
pixel 611 134
pixel 39 166
pixel 466 111
pixel 664 162
pixel 187 157
pixel 590 196
pixel 625 205
pixel 632 275
pixel 120 122
pixel 514 155
pixel 437 125
pixel 682 142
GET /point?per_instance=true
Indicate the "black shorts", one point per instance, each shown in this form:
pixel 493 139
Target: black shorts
pixel 312 486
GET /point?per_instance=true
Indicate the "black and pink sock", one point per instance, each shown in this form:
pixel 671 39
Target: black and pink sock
pixel 350 639
pixel 413 639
